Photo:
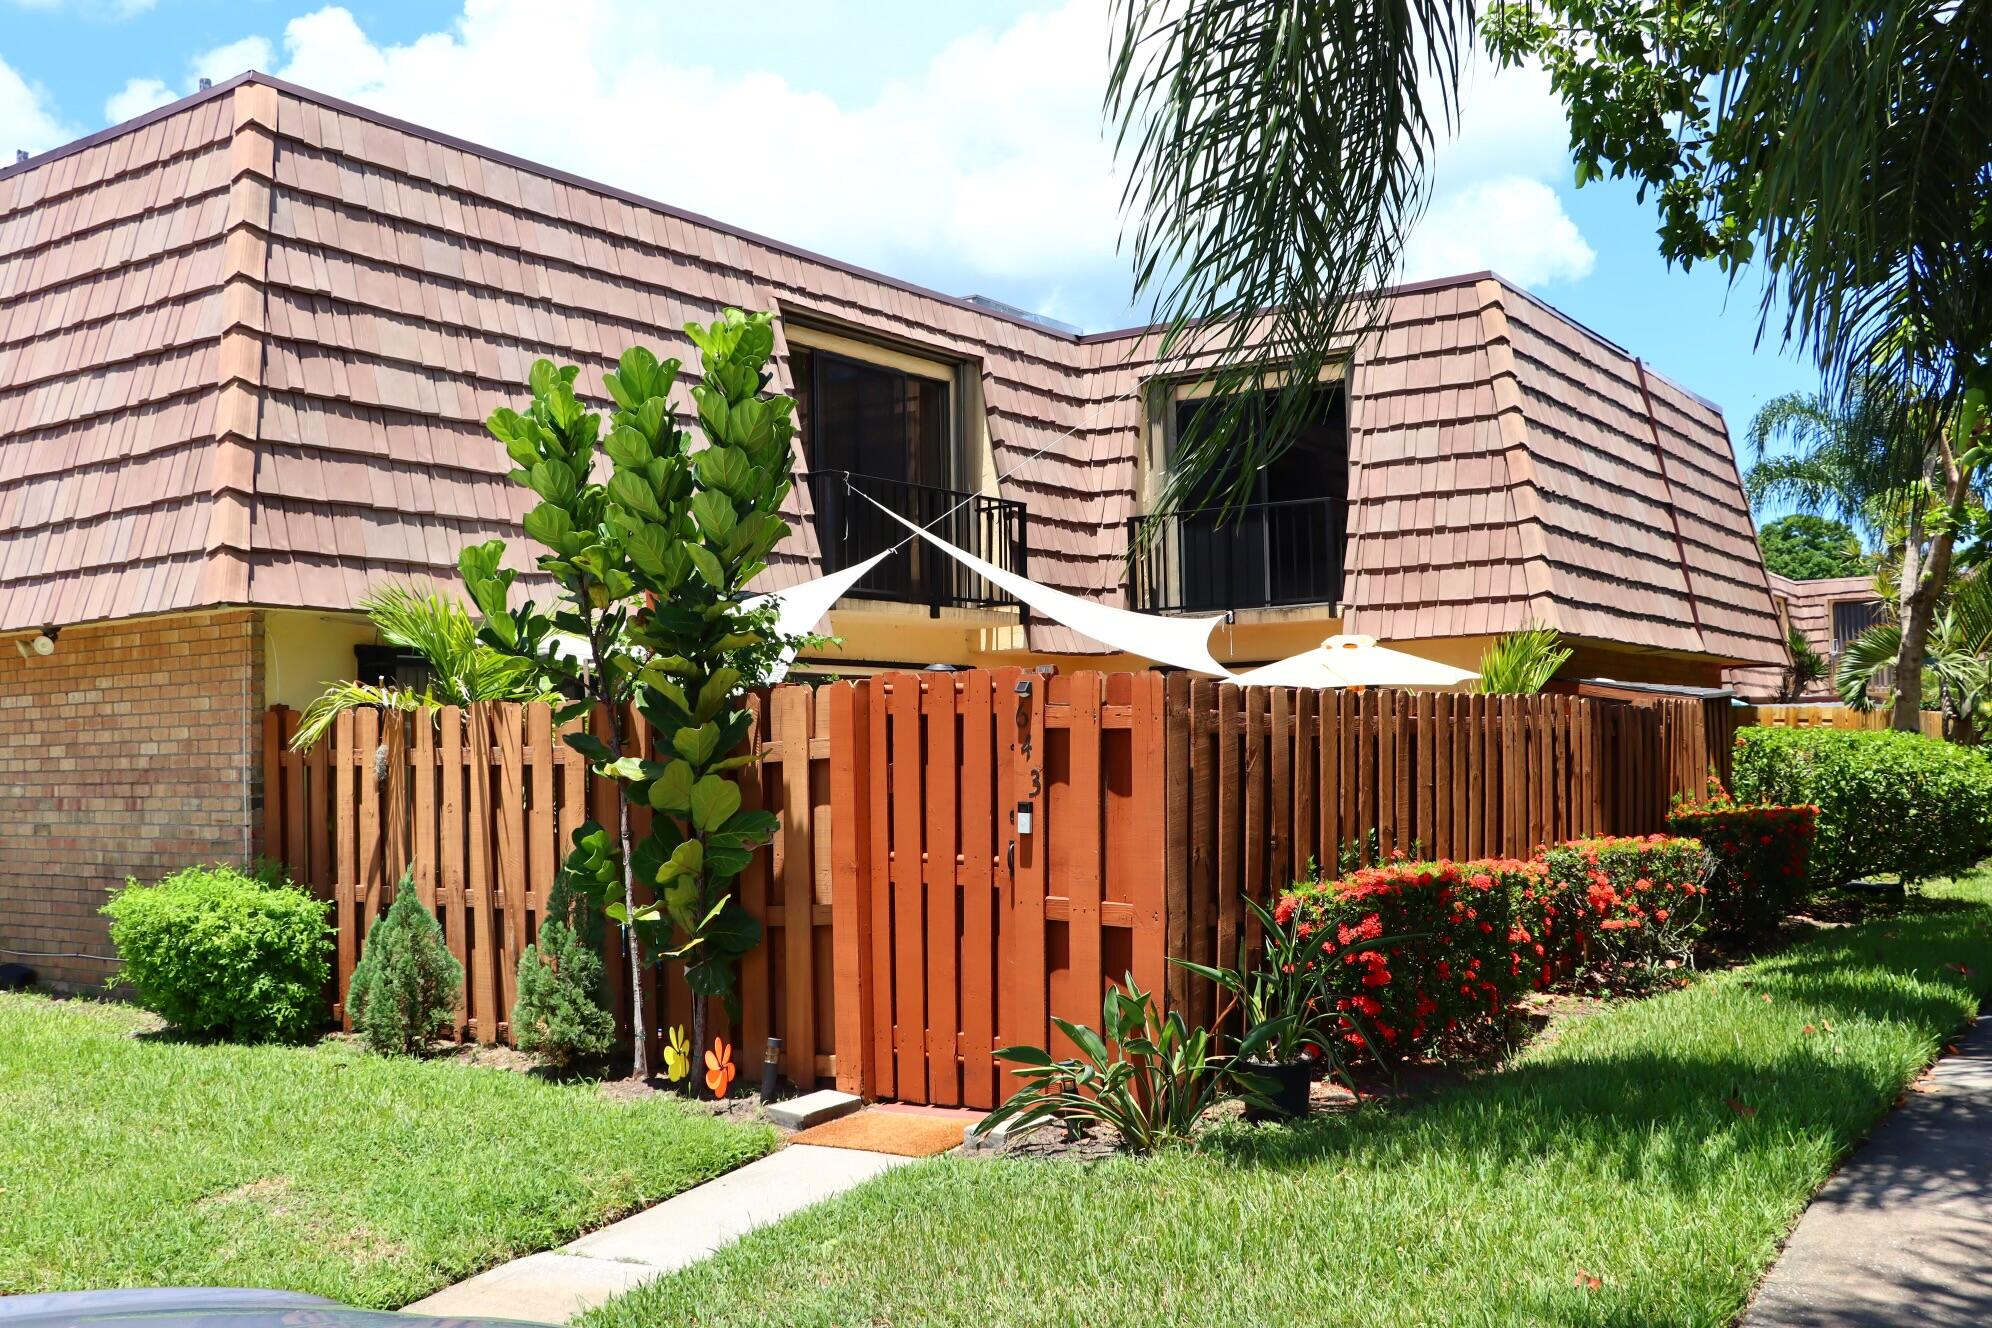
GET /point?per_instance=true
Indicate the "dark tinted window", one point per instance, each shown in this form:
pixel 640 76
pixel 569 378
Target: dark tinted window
pixel 871 420
pixel 1851 617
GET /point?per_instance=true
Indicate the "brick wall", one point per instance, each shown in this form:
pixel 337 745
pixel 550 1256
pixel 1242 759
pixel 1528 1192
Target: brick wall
pixel 131 751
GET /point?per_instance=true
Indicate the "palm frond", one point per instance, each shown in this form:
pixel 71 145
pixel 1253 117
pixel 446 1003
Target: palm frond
pixel 1881 113
pixel 1522 663
pixel 1276 154
pixel 338 698
pixel 440 629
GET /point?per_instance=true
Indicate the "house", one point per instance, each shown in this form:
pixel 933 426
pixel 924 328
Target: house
pixel 248 340
pixel 1829 614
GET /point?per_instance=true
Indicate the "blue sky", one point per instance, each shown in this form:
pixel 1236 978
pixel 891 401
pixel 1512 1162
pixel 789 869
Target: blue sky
pixel 957 145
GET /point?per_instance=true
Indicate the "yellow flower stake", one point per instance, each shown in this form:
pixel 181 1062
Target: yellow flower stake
pixel 719 1068
pixel 678 1056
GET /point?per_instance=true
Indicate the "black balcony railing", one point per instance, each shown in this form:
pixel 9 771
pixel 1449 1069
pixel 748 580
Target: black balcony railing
pixel 849 530
pixel 1261 556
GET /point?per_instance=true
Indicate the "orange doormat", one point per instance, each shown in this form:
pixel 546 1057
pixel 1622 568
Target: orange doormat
pixel 897 1132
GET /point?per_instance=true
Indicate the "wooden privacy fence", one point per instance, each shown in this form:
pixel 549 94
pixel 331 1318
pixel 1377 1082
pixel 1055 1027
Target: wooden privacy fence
pixel 1010 843
pixel 964 856
pixel 1830 717
pixel 482 801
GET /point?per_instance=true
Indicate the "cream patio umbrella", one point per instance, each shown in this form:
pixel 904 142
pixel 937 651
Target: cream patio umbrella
pixel 1354 661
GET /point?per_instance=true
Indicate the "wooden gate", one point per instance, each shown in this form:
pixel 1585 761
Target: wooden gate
pixel 1004 863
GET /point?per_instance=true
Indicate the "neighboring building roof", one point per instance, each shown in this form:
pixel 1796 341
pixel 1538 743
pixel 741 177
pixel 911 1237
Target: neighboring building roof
pixel 1808 607
pixel 249 341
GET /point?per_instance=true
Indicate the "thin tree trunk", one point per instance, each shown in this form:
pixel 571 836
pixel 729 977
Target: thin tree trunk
pixel 639 1066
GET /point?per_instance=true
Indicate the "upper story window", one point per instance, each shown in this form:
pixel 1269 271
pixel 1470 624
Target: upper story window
pixel 875 419
pixel 1283 547
pixel 1851 617
pixel 882 428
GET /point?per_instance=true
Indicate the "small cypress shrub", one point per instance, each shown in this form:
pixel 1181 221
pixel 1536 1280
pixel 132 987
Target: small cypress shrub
pixel 559 1013
pixel 404 991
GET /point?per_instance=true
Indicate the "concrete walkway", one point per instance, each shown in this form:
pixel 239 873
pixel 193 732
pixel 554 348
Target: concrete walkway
pixel 1903 1233
pixel 554 1286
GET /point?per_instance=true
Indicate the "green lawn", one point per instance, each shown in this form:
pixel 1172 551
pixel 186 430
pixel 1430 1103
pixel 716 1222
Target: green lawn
pixel 128 1159
pixel 1613 1152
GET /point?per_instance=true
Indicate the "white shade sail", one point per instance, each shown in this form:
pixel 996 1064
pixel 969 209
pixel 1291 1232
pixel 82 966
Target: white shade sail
pixel 1354 661
pixel 799 608
pixel 1183 642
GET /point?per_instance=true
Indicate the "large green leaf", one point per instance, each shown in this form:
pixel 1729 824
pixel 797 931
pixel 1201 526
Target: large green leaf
pixel 713 799
pixel 672 791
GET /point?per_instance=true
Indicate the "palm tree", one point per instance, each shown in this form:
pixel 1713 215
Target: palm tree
pixel 1957 661
pixel 1872 456
pixel 441 630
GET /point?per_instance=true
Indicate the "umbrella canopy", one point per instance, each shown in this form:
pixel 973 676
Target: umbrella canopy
pixel 1354 661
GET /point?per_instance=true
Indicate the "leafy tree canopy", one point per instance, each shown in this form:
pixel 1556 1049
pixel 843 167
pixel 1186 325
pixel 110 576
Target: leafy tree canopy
pixel 1805 547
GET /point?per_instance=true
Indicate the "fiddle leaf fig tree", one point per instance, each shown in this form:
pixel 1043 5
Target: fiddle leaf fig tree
pixel 653 563
pixel 699 526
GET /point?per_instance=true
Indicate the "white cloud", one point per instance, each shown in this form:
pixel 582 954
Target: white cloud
pixel 988 164
pixel 140 95
pixel 28 119
pixel 987 168
pixel 234 58
pixel 1514 225
pixel 135 98
pixel 1492 202
pixel 93 9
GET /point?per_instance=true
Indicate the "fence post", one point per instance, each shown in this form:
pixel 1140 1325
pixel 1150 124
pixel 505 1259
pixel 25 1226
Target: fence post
pixel 850 881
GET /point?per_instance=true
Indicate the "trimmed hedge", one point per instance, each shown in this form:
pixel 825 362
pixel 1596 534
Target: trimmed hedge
pixel 1889 803
pixel 1637 900
pixel 1426 951
pixel 1760 857
pixel 214 950
pixel 1421 949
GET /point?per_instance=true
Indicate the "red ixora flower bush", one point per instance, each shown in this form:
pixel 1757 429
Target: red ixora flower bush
pixel 1422 950
pixel 1762 854
pixel 1632 900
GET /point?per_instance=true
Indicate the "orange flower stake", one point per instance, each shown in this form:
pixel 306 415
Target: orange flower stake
pixel 719 1068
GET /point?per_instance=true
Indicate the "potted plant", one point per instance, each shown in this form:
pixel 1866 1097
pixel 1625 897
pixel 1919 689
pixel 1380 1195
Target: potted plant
pixel 1284 1008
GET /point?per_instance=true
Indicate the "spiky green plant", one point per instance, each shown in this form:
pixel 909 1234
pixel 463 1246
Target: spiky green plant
pixel 1522 663
pixel 440 629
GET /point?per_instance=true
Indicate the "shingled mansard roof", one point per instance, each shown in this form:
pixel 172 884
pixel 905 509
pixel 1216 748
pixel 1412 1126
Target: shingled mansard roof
pixel 247 343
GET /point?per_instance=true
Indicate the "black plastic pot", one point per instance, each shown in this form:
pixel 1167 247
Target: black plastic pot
pixel 1283 1085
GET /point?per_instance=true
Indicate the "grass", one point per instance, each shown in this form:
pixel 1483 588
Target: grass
pixel 1663 1147
pixel 127 1158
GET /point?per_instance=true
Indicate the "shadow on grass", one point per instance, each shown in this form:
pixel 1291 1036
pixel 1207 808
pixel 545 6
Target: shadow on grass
pixel 1645 1108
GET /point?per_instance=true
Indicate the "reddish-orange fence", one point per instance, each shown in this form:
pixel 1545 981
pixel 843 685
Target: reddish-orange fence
pixel 482 802
pixel 964 856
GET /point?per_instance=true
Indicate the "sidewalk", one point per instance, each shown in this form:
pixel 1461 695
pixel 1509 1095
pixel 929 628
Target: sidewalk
pixel 558 1284
pixel 1902 1234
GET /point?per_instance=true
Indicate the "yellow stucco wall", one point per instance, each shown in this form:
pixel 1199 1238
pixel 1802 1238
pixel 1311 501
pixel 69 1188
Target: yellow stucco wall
pixel 302 651
pixel 872 636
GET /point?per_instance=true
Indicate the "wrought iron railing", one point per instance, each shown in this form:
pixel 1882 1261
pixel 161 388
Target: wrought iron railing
pixel 850 529
pixel 1264 555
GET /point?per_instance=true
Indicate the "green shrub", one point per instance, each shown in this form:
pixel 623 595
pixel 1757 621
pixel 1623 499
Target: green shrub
pixel 404 991
pixel 1634 900
pixel 1889 803
pixel 559 1013
pixel 215 950
pixel 1422 951
pixel 1759 857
